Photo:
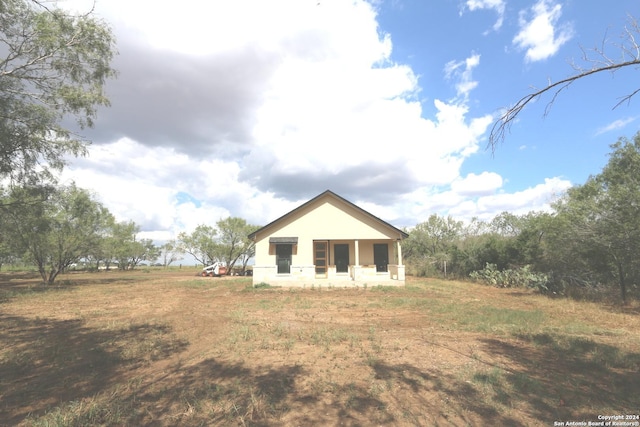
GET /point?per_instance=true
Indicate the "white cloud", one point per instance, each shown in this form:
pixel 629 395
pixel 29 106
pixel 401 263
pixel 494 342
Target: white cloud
pixel 497 5
pixel 250 108
pixel 536 198
pixel 476 185
pixel 462 71
pixel 540 34
pixel 615 125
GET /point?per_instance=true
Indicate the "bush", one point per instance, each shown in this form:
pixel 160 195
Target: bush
pixel 521 277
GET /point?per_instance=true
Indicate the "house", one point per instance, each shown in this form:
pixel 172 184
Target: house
pixel 328 241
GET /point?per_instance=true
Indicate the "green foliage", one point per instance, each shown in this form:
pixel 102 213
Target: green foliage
pixel 53 227
pixel 428 248
pixel 588 243
pixel 122 246
pixel 226 242
pixel 55 66
pixel 170 252
pixel 597 234
pixel 200 244
pixel 233 243
pixel 521 277
pixel 262 285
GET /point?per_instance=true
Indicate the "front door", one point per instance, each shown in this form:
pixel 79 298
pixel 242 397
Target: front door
pixel 320 257
pixel 381 256
pixel 341 257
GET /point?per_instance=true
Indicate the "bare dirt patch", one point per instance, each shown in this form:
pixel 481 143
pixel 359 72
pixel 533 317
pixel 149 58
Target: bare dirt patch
pixel 168 348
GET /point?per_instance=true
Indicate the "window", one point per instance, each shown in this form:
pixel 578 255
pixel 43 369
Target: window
pixel 283 258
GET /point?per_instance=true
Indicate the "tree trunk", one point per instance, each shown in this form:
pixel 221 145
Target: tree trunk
pixel 623 284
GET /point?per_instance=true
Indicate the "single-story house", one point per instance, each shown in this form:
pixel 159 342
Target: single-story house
pixel 328 241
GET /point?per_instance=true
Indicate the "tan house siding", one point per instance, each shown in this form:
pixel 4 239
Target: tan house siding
pixel 331 219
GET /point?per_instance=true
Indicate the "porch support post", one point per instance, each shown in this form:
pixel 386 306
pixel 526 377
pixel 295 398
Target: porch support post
pixel 356 267
pixel 399 252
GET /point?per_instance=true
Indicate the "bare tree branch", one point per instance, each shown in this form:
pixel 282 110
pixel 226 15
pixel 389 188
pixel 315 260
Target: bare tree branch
pixel 601 62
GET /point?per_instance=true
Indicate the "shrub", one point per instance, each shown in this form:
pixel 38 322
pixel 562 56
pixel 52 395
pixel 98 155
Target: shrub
pixel 521 277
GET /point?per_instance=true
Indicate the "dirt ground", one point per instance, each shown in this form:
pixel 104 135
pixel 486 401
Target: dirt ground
pixel 169 348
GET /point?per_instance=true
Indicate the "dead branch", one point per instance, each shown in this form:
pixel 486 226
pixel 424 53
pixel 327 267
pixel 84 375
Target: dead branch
pixel 600 61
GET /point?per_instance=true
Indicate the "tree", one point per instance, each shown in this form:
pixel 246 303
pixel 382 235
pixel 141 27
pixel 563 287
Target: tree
pixel 6 254
pixel 169 253
pixel 249 250
pixel 430 243
pixel 55 227
pixel 100 251
pixel 124 247
pixel 597 61
pixel 200 244
pixel 54 66
pixel 603 216
pixel 234 243
pixel 571 257
pixel 142 250
pixel 506 224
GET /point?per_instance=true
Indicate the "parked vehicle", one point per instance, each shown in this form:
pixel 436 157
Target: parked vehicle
pixel 216 269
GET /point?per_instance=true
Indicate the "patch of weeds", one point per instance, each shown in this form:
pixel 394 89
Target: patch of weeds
pixel 270 304
pixel 327 336
pixel 492 385
pixel 241 333
pixel 376 389
pixel 281 330
pixel 238 316
pixel 197 284
pixel 303 303
pixel 113 407
pixel 589 353
pixel 371 359
pixel 523 383
pixel 288 344
pixel 387 289
pixel 147 342
pixel 501 320
pixel 265 344
pixel 411 302
pixel 491 378
pixel 351 392
pixel 372 333
pixel 262 285
pixel 355 341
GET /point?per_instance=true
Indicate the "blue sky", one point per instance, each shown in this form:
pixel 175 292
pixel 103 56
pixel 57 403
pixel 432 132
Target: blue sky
pixel 250 108
pixel 571 141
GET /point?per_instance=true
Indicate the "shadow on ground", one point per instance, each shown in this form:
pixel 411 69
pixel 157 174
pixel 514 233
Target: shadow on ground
pixel 45 362
pixel 563 377
pixel 22 283
pixel 56 363
pixel 217 393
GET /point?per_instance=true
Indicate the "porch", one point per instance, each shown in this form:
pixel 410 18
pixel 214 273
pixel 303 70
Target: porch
pixel 341 263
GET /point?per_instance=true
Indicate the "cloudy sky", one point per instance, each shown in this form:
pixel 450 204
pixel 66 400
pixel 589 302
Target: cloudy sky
pixel 249 107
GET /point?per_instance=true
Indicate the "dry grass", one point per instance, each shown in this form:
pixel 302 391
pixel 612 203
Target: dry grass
pixel 166 348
